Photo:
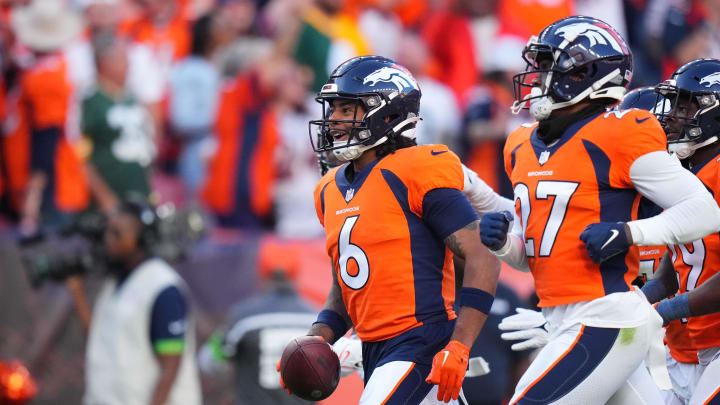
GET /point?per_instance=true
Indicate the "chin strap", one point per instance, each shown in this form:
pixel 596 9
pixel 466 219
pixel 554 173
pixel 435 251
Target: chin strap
pixel 684 150
pixel 543 107
pixel 353 152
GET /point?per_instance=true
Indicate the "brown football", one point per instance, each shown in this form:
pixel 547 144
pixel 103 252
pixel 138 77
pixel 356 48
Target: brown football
pixel 310 368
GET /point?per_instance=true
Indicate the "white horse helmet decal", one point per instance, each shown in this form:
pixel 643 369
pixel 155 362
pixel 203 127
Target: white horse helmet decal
pixel 596 34
pixel 390 74
pixel 710 80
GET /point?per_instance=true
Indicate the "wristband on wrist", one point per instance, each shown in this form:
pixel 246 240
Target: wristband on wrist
pixel 477 299
pixel 654 290
pixel 677 307
pixel 334 320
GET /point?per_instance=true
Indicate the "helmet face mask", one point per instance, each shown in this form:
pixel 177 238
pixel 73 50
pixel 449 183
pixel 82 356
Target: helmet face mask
pixel 389 98
pixel 682 120
pixel 574 59
pixel 329 131
pixel 692 120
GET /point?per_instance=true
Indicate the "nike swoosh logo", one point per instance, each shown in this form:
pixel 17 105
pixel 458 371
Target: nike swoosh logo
pixel 642 120
pixel 437 152
pixel 614 235
pixel 447 353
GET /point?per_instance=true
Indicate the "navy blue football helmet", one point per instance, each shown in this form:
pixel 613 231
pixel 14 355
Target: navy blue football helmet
pixel 693 120
pixel 643 98
pixel 387 92
pixel 572 59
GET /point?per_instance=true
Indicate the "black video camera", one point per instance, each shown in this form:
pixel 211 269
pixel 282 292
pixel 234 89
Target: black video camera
pixel 79 249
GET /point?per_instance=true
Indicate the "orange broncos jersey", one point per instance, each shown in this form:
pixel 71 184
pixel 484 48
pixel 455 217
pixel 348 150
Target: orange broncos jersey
pixel 582 179
pixel 698 261
pixel 677 336
pixel 394 272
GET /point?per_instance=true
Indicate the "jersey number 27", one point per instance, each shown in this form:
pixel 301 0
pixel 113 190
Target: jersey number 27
pixel 562 191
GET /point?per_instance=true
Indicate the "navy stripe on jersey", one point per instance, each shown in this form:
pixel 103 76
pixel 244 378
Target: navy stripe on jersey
pixel 512 156
pixel 589 351
pixel 322 198
pixel 428 257
pixel 344 185
pixel 648 209
pixel 413 388
pixel 445 210
pixel 714 398
pixel 615 205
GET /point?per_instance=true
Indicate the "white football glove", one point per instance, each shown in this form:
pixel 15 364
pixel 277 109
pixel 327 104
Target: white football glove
pixel 527 325
pixel 349 351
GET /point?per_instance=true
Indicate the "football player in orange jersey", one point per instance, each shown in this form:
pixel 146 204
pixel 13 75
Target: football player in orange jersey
pixel 394 215
pixel 656 269
pixel 578 175
pixel 693 130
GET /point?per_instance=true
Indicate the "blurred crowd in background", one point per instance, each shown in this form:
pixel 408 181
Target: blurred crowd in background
pixel 205 104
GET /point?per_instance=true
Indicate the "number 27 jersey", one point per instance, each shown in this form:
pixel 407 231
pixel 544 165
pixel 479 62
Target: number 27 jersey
pixel 581 179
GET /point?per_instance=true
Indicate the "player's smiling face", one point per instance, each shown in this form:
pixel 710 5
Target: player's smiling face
pixel 344 110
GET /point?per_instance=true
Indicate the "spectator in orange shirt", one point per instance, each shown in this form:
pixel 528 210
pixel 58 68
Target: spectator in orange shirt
pixel 56 186
pixel 163 25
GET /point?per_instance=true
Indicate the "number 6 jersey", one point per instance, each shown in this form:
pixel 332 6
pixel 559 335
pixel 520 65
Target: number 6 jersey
pixel 385 232
pixel 583 178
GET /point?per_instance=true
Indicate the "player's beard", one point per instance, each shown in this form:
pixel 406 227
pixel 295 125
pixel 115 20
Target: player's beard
pixel 551 129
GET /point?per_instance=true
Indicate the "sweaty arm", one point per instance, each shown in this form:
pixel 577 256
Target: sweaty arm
pixel 690 211
pixel 336 321
pixel 482 197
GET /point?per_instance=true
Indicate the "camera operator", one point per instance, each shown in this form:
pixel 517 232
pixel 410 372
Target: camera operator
pixel 141 342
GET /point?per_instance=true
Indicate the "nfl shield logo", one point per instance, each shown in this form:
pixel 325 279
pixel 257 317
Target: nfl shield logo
pixel 544 156
pixel 349 194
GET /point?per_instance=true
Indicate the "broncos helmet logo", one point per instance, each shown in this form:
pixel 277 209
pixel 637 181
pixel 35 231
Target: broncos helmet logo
pixel 596 34
pixel 710 80
pixel 398 77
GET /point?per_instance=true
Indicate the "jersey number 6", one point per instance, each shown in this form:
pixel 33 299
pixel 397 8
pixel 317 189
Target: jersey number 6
pixel 349 251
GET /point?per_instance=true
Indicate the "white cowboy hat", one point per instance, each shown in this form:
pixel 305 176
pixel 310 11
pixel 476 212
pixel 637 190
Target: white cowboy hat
pixel 46 25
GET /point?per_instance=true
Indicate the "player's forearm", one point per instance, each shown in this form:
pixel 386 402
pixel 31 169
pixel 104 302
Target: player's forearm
pixel 513 253
pixel 334 303
pixel 664 282
pixel 705 299
pixel 481 273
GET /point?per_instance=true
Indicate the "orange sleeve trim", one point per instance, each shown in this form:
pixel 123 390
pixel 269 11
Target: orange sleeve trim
pixel 572 346
pixel 713 396
pixel 398 384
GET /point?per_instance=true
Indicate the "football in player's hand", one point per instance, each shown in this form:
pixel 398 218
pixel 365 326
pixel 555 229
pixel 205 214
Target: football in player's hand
pixel 310 368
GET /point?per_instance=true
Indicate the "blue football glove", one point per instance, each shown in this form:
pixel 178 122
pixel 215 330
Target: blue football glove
pixel 604 240
pixel 494 228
